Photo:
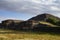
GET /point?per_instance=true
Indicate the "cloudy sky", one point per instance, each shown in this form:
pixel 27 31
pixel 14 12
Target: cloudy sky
pixel 25 9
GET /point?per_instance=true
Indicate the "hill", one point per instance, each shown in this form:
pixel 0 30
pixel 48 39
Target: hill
pixel 43 17
pixel 42 21
pixel 47 18
pixel 10 23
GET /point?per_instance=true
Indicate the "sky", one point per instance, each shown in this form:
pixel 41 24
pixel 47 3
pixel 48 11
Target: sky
pixel 4 15
pixel 25 9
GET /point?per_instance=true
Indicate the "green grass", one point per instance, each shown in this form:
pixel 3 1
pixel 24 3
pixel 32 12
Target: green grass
pixel 20 35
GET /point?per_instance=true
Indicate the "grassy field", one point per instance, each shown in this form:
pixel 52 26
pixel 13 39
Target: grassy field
pixel 19 35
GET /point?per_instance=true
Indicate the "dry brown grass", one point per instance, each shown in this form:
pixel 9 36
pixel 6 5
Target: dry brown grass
pixel 29 36
pixel 26 36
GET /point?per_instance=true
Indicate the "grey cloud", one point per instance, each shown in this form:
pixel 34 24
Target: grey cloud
pixel 27 6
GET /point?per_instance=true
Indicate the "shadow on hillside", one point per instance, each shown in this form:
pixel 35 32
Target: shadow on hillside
pixel 50 30
pixel 38 30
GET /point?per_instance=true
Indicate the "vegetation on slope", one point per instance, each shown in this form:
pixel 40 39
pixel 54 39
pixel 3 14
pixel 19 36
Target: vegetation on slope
pixel 54 21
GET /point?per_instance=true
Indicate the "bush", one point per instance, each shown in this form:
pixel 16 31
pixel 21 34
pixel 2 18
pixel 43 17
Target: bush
pixel 53 21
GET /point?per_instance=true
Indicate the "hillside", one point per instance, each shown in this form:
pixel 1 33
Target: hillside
pixel 47 18
pixel 43 17
pixel 46 21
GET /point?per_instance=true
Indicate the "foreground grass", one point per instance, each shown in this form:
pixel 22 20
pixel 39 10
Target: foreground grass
pixel 16 35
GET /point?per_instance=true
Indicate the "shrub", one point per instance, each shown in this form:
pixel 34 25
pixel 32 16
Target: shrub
pixel 53 21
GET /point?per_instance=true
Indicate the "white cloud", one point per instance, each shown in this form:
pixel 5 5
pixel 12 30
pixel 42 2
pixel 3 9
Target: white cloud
pixel 36 1
pixel 3 18
pixel 31 6
pixel 46 2
pixel 55 8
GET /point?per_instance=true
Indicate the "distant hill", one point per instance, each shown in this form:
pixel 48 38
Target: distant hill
pixel 10 23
